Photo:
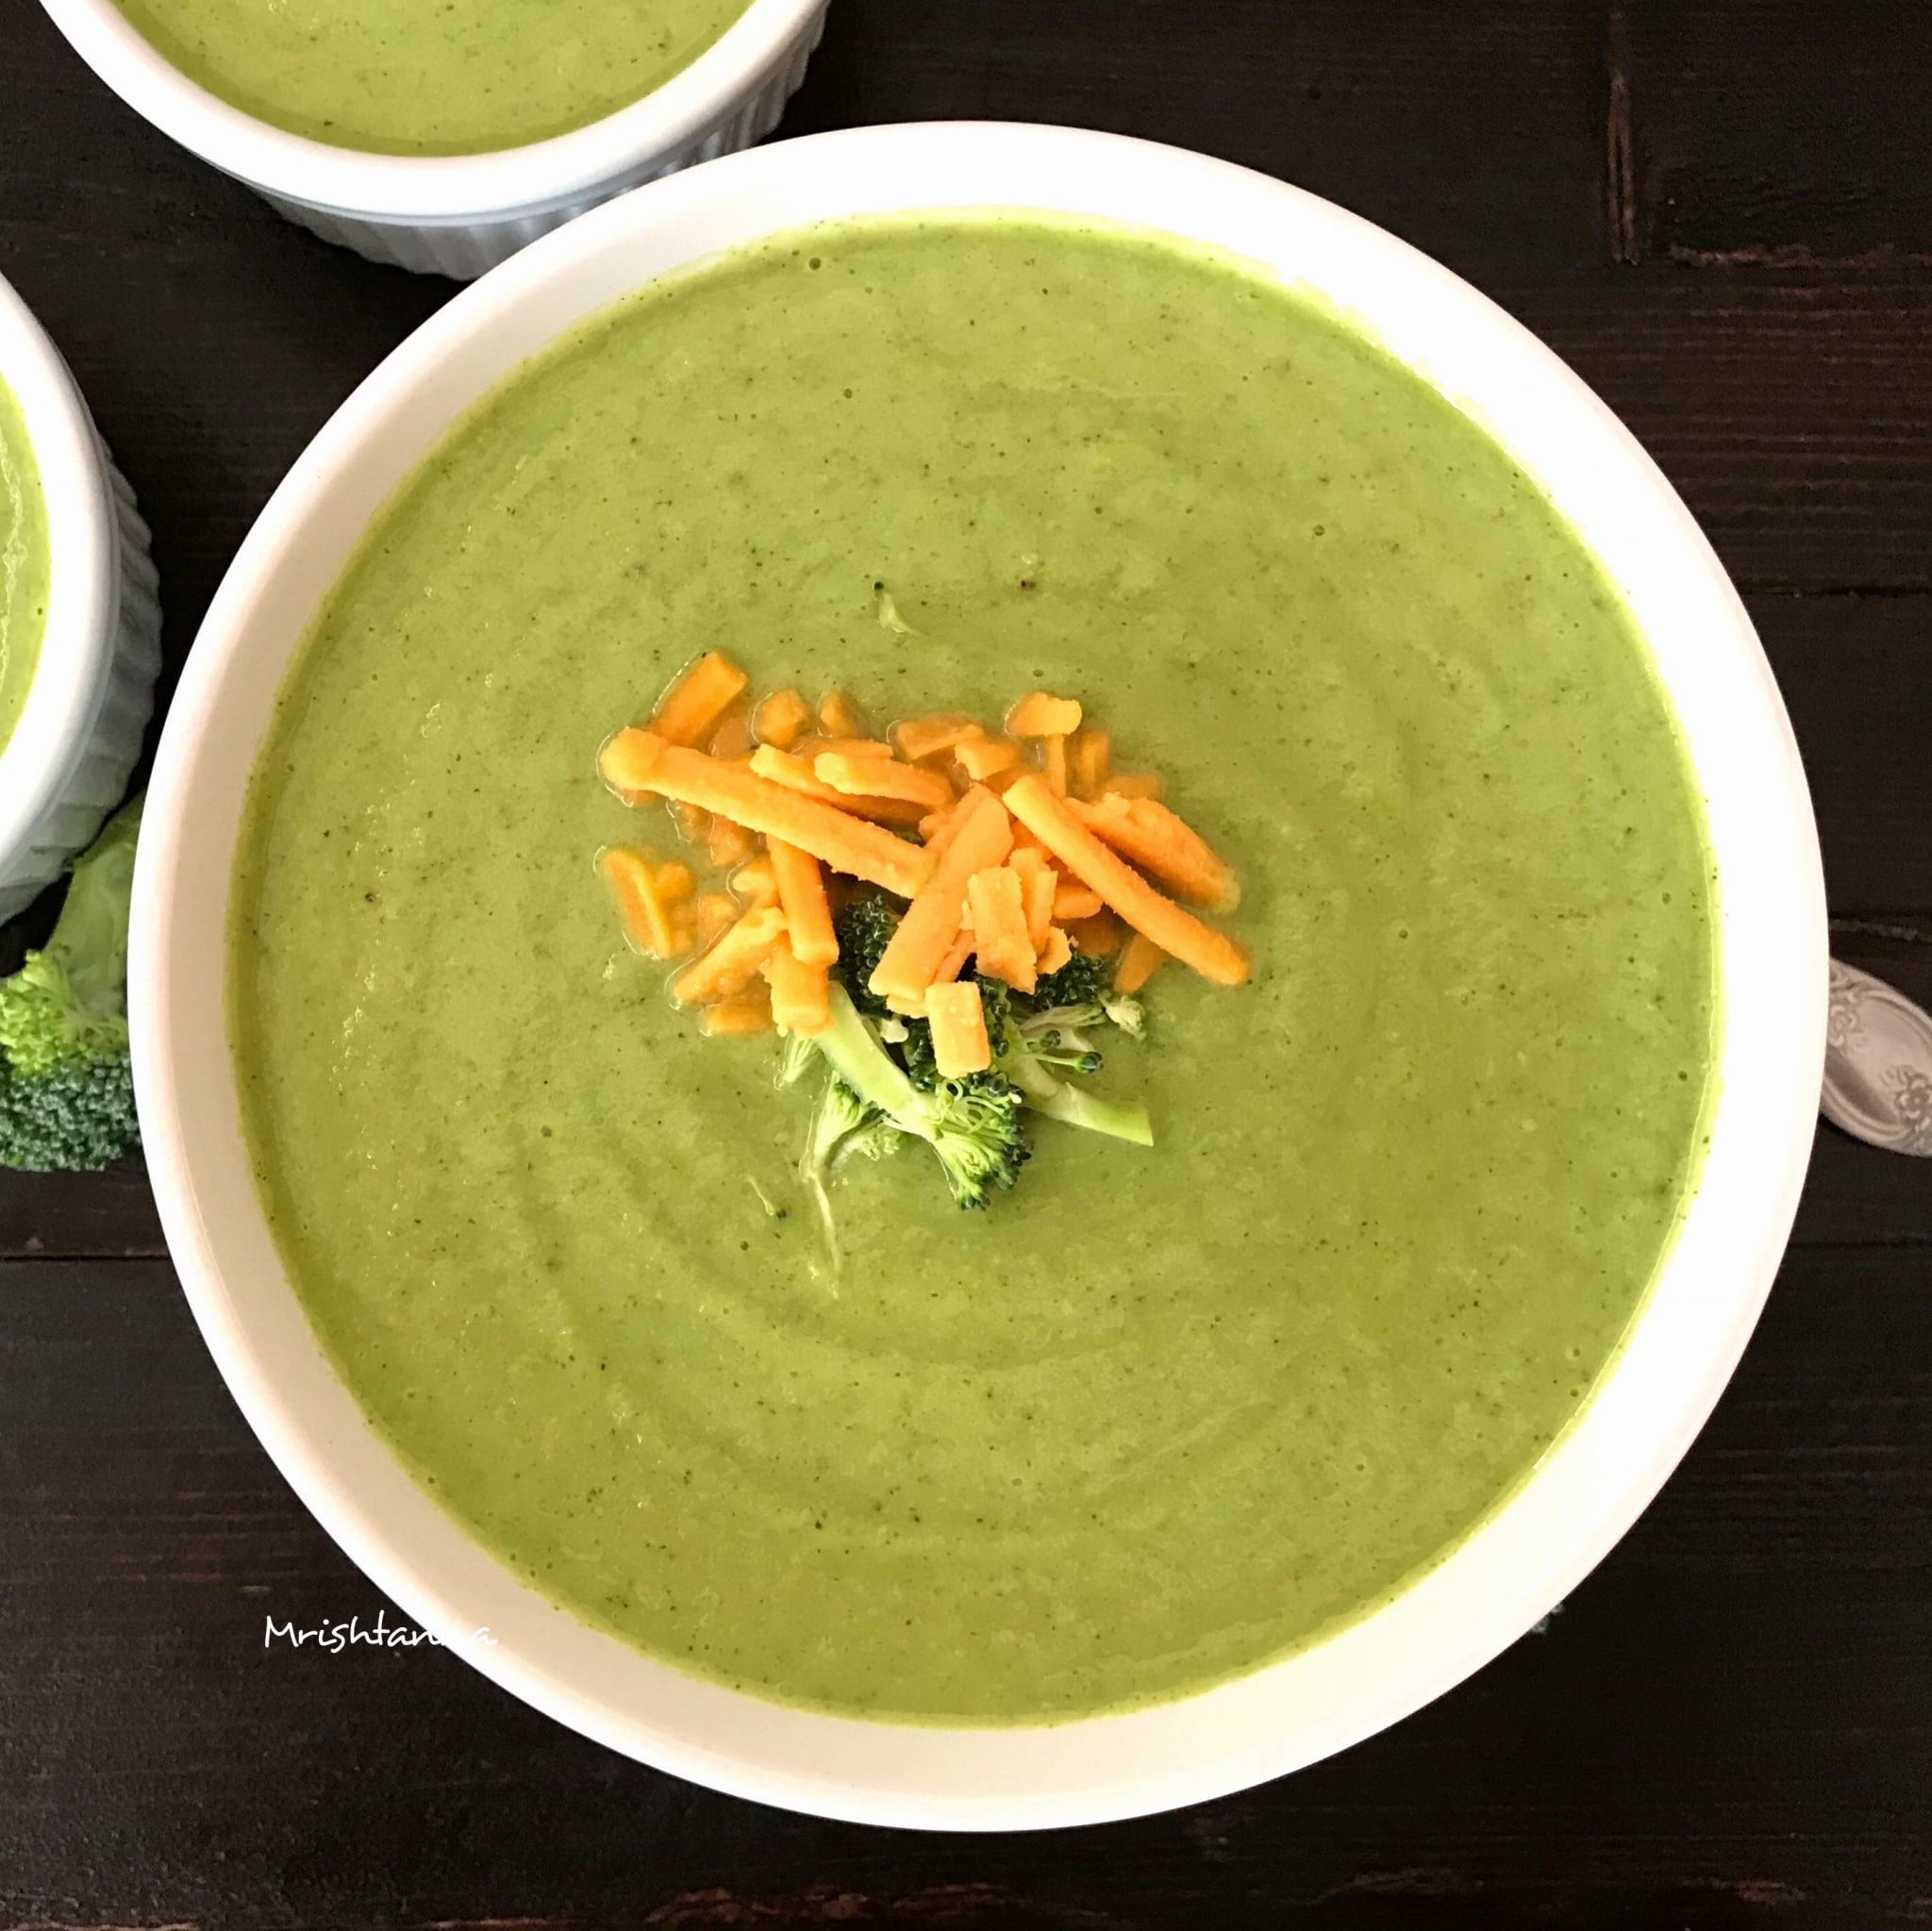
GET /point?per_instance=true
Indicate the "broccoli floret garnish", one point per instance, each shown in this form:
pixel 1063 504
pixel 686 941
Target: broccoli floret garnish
pixel 865 928
pixel 1084 980
pixel 1086 983
pixel 842 1126
pixel 973 1124
pixel 884 1085
pixel 66 1088
pixel 870 1108
pixel 1028 1044
pixel 1061 1042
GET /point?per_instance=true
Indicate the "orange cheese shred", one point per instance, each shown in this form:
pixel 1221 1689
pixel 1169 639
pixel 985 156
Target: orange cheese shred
pixel 698 699
pixel 1175 930
pixel 1038 715
pixel 807 911
pixel 954 963
pixel 640 762
pixel 801 994
pixel 959 1044
pixel 1100 936
pixel 1139 963
pixel 641 901
pixel 980 757
pixel 796 774
pixel 1056 764
pixel 733 961
pixel 1038 887
pixel 882 777
pixel 715 912
pixel 746 1011
pixel 918 738
pixel 1089 752
pixel 1163 844
pixel 733 738
pixel 757 882
pixel 996 897
pixel 781 719
pixel 728 842
pixel 926 934
pixel 1058 950
pixel 673 880
pixel 839 717
pixel 1072 900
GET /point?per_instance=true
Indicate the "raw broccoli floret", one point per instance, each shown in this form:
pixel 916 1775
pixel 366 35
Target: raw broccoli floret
pixel 75 1117
pixel 66 1088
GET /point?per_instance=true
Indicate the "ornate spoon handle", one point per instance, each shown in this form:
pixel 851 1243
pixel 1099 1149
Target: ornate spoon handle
pixel 1877 1063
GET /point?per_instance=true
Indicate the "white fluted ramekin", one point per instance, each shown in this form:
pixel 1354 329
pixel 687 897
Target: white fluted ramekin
pixel 460 214
pixel 78 735
pixel 1538 1545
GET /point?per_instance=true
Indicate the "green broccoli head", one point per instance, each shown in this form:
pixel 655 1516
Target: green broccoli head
pixel 885 1084
pixel 1084 980
pixel 995 1005
pixel 864 929
pixel 66 1088
pixel 74 1117
pixel 976 1130
pixel 973 1124
pixel 843 1126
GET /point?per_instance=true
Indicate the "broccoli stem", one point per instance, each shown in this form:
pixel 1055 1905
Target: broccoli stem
pixel 858 1058
pixel 1118 1119
pixel 1072 1105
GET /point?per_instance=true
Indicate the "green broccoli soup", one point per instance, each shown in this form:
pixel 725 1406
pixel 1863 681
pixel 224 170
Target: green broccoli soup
pixel 409 77
pixel 25 564
pixel 1159 1413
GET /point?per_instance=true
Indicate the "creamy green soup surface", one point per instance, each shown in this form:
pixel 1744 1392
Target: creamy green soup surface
pixel 430 77
pixel 1160 1415
pixel 25 563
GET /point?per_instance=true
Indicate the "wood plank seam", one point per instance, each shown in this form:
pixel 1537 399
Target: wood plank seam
pixel 1620 161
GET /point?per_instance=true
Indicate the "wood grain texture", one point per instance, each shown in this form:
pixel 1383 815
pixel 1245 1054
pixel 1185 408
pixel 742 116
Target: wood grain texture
pixel 1721 212
pixel 1344 100
pixel 1783 1578
pixel 1790 406
pixel 1777 131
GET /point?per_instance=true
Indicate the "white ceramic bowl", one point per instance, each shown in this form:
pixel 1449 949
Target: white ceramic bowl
pixel 1591 1486
pixel 460 214
pixel 78 736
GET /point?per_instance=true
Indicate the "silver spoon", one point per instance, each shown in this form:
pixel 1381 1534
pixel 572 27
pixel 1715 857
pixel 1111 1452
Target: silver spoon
pixel 1877 1063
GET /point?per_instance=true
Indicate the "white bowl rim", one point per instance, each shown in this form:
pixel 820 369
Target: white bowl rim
pixel 70 679
pixel 1534 1548
pixel 431 190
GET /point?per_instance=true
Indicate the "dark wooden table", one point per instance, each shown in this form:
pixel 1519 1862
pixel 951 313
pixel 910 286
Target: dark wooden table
pixel 1721 212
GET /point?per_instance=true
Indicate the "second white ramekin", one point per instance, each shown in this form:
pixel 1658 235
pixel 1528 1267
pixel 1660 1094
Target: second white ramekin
pixel 460 214
pixel 68 761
